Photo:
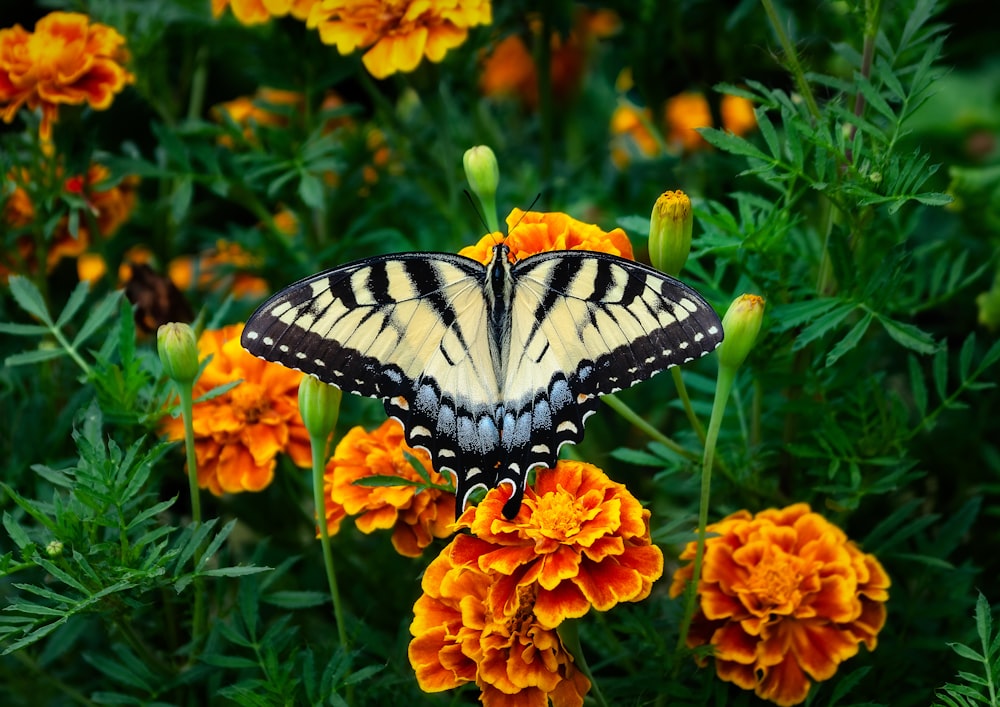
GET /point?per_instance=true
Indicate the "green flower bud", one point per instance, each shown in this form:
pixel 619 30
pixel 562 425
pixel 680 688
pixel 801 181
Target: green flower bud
pixel 54 548
pixel 741 326
pixel 319 406
pixel 482 172
pixel 178 351
pixel 670 227
pixel 989 305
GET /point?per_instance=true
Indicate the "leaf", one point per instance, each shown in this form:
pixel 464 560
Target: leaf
pixel 966 652
pixel 296 599
pixel 35 356
pixel 851 340
pixel 733 144
pixel 311 191
pixel 15 531
pixel 180 200
pixel 73 304
pixel 909 336
pixel 97 317
pixel 240 571
pixel 377 480
pixel 16 329
pixel 29 298
pixel 917 386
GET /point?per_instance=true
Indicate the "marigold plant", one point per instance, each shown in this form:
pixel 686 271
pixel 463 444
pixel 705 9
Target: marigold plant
pixel 416 512
pixel 397 33
pixel 579 541
pixel 458 639
pixel 66 60
pixel 239 434
pixel 784 598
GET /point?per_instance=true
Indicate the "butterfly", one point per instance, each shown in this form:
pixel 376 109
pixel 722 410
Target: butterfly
pixel 491 368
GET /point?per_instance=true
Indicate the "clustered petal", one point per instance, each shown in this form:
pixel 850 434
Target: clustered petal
pixel 255 12
pixel 784 597
pixel 397 33
pixel 532 232
pixel 66 60
pixel 416 513
pixel 239 433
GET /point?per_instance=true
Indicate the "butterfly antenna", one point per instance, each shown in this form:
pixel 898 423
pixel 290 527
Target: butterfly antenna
pixel 525 212
pixel 475 207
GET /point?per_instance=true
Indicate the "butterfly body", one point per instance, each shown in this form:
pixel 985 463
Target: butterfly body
pixel 491 369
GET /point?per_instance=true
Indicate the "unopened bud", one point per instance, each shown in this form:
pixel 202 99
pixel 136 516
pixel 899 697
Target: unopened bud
pixel 741 326
pixel 670 227
pixel 319 406
pixel 178 350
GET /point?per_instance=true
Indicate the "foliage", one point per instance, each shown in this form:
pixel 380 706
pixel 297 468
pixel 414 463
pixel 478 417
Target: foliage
pixel 862 207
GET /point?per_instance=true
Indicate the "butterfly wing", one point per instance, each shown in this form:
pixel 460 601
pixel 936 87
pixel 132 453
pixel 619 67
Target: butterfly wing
pixel 587 324
pixel 409 329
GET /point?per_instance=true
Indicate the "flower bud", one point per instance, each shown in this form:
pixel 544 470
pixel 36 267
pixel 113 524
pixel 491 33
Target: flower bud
pixel 178 351
pixel 54 548
pixel 319 406
pixel 482 172
pixel 989 305
pixel 740 325
pixel 670 227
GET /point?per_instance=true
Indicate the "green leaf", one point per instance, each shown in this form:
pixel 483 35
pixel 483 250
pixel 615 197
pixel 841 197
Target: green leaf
pixel 35 356
pixel 296 599
pixel 180 200
pixel 377 480
pixel 15 531
pixel 29 298
pixel 909 336
pixel 311 191
pixel 851 340
pixel 240 571
pixel 940 371
pixel 733 144
pixel 76 300
pixel 966 652
pixel 917 386
pixel 23 329
pixel 97 317
pixel 213 547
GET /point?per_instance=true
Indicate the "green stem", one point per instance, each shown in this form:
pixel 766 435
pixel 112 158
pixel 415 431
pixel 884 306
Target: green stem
pixel 686 402
pixel 569 634
pixel 616 404
pixel 318 467
pixel 723 387
pixel 792 58
pixel 200 607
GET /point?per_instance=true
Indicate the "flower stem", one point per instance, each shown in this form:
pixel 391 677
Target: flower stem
pixel 318 445
pixel 200 608
pixel 569 634
pixel 723 387
pixel 686 402
pixel 793 60
pixel 616 404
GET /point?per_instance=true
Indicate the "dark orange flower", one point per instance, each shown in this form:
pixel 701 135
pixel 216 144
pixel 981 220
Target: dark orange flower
pixel 416 514
pixel 631 136
pixel 397 33
pixel 784 598
pixel 67 59
pixel 737 114
pixel 221 268
pixel 255 12
pixel 513 659
pixel 579 541
pixel 109 205
pixel 261 109
pixel 531 232
pixel 683 113
pixel 239 434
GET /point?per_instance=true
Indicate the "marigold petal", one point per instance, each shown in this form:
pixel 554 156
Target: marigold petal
pixel 734 644
pixel 784 684
pixel 820 648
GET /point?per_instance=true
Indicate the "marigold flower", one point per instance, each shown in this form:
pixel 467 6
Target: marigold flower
pixel 66 60
pixel 251 112
pixel 737 114
pixel 397 33
pixel 671 224
pixel 513 659
pixel 221 268
pixel 631 136
pixel 784 598
pixel 416 515
pixel 531 232
pixel 255 12
pixel 579 541
pixel 683 114
pixel 108 205
pixel 239 434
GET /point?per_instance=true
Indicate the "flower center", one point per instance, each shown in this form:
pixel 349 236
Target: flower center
pixel 250 402
pixel 558 515
pixel 774 580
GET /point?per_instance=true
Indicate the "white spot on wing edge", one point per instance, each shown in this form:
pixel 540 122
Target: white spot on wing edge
pixel 252 335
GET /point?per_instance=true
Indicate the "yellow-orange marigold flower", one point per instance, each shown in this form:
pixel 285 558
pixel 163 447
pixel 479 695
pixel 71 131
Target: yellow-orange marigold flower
pixel 513 659
pixel 531 232
pixel 255 12
pixel 784 598
pixel 416 517
pixel 737 114
pixel 580 540
pixel 399 32
pixel 239 434
pixel 67 59
pixel 631 136
pixel 221 268
pixel 683 113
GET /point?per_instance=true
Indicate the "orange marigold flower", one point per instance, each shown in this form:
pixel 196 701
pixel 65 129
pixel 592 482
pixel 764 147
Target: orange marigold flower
pixel 221 268
pixel 683 113
pixel 631 136
pixel 239 434
pixel 397 33
pixel 531 232
pixel 784 598
pixel 261 109
pixel 737 114
pixel 513 659
pixel 67 59
pixel 579 541
pixel 255 12
pixel 416 514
